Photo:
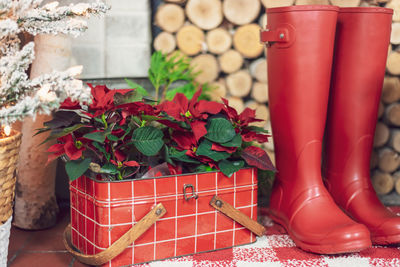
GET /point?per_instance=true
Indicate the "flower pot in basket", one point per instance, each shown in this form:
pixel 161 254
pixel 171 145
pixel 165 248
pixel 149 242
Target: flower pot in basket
pixel 102 212
pixel 9 150
pixel 164 178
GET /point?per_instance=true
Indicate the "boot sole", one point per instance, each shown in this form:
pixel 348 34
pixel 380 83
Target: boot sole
pixel 386 240
pixel 379 240
pixel 335 248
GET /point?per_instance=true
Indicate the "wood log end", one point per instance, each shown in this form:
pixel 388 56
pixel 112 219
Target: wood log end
pixel 207 66
pixel 382 134
pixel 239 83
pixel 241 12
pixel 389 160
pixel 164 42
pixel 393 63
pixel 230 61
pixel 382 182
pixel 205 14
pixel 190 39
pixel 246 40
pixel 169 17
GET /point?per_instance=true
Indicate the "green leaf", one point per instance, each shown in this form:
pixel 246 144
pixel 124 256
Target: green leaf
pixel 207 92
pixel 157 72
pixel 96 136
pixel 130 97
pixel 101 148
pixel 99 120
pixel 62 119
pixel 229 167
pixel 235 142
pixel 112 137
pixel 188 90
pixel 257 129
pixel 167 156
pixel 220 130
pixel 64 132
pixel 127 131
pixel 181 156
pixel 109 168
pixel 76 168
pixel 150 118
pixel 148 140
pixel 204 149
pixel 41 130
pixel 136 86
pixel 203 168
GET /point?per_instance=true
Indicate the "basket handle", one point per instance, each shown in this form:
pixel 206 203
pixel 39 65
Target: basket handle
pixel 236 215
pixel 121 244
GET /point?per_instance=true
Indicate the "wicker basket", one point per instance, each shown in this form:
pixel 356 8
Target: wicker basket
pixel 9 150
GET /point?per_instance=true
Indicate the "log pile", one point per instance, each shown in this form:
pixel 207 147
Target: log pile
pixel 222 38
pixel 385 160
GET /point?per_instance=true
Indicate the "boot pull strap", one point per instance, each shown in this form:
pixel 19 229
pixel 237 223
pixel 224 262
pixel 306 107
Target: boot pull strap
pixel 283 36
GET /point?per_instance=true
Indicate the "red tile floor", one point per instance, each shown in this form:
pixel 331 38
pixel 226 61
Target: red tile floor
pixel 41 248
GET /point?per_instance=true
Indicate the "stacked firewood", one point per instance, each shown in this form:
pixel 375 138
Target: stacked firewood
pixel 385 160
pixel 222 38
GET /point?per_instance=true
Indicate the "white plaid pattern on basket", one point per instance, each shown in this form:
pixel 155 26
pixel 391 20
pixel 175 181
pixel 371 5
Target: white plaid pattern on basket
pixel 188 227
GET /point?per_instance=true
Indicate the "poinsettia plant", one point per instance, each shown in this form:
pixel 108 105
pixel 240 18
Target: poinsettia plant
pixel 206 135
pixel 122 135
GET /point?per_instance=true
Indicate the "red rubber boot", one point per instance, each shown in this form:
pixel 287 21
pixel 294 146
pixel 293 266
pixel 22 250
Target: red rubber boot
pixel 300 50
pixel 362 39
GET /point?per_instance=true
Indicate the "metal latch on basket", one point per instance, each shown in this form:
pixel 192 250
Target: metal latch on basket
pixel 194 194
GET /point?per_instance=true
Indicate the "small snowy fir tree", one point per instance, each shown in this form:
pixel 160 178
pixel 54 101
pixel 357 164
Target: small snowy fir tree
pixel 20 96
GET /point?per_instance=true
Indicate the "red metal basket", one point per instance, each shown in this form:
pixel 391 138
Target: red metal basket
pixel 101 212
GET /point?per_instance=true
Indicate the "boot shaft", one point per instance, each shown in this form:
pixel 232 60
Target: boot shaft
pixel 362 39
pixel 361 45
pixel 299 69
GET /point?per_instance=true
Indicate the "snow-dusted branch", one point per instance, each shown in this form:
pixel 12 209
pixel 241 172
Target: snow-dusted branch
pixel 50 91
pixel 13 77
pixel 8 27
pixel 53 19
pixel 20 96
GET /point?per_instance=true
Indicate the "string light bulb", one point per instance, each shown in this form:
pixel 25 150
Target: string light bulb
pixel 7 130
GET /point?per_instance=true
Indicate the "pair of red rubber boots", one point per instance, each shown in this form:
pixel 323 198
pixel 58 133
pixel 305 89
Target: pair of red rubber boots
pixel 326 67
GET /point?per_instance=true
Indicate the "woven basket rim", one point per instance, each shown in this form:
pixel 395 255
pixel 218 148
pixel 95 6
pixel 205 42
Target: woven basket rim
pixel 11 138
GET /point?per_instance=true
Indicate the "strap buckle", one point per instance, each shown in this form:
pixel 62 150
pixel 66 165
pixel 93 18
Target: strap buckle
pixel 283 36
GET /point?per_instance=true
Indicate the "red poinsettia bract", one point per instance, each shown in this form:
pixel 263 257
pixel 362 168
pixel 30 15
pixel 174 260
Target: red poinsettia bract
pixel 68 146
pixel 103 99
pixel 193 112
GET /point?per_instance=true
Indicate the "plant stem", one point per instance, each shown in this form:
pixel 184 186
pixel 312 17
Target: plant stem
pixel 157 90
pixel 164 94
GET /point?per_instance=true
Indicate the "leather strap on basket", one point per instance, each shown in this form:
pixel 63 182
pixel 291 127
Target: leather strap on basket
pixel 237 215
pixel 121 244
